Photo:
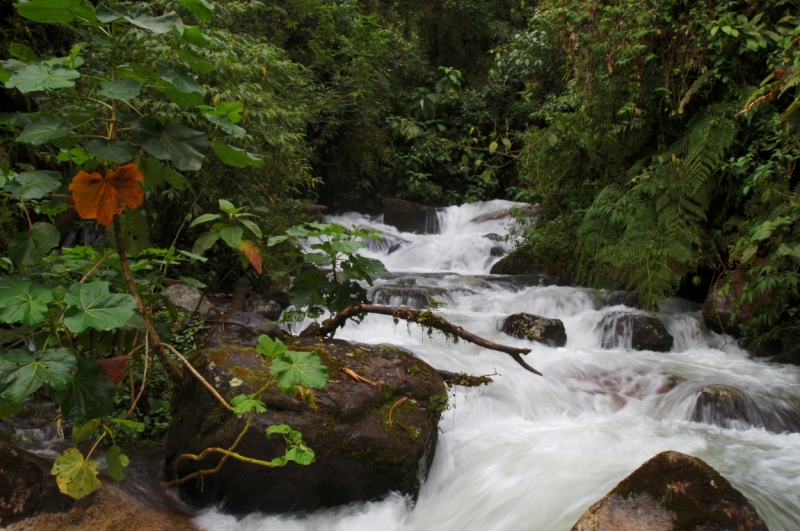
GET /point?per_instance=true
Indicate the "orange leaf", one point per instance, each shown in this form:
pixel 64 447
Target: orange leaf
pixel 250 250
pixel 115 368
pixel 102 197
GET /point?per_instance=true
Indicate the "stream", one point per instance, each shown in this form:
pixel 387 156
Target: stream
pixel 533 453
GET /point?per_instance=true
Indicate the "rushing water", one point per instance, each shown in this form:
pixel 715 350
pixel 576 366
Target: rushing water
pixel 532 453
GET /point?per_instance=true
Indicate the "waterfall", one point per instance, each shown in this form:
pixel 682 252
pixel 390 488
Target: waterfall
pixel 534 453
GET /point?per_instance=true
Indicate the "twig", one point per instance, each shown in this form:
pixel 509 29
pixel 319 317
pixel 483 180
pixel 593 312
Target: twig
pixel 395 406
pixel 34 427
pixel 144 379
pixel 352 374
pixel 424 318
pixel 98 264
pixel 197 375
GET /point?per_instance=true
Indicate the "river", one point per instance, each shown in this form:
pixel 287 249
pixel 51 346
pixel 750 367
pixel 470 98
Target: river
pixel 533 453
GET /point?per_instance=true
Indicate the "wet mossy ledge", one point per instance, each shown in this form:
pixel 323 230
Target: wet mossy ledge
pixel 360 454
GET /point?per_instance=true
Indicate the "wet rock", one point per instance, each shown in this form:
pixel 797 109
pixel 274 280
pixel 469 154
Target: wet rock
pixel 388 241
pixel 618 386
pixel 497 251
pixel 358 455
pixel 186 298
pixel 732 408
pixel 720 311
pixel 393 248
pixel 315 212
pixel 109 509
pixel 243 329
pixel 535 328
pixel 517 264
pixel 615 298
pixel 639 332
pixel 26 486
pixel 414 297
pixel 266 308
pixel 789 354
pixel 672 492
pixel 406 216
pixel 528 210
pixel 281 296
pixel 493 237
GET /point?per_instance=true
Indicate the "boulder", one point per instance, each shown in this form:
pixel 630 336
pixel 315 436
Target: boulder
pixel 406 216
pixel 414 297
pixel 186 298
pixel 530 211
pixel 672 492
pixel 639 332
pixel 243 329
pixel 493 237
pixel 497 251
pixel 719 309
pixel 615 298
pixel 266 308
pixel 26 486
pixel 535 328
pixel 359 454
pixel 517 264
pixel 728 407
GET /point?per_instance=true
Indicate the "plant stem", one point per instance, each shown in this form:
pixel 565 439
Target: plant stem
pixel 202 380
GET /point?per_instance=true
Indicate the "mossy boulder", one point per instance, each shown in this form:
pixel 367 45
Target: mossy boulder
pixel 639 332
pixel 722 314
pixel 728 407
pixel 672 492
pixel 26 486
pixel 359 454
pixel 551 332
pixel 517 264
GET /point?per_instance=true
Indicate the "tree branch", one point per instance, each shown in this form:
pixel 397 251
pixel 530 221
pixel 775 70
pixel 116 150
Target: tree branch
pixel 426 319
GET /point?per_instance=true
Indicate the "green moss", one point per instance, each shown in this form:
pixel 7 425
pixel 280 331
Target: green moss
pixel 440 402
pixel 254 378
pixel 218 356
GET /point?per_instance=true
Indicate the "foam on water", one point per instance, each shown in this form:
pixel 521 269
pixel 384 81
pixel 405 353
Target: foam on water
pixel 535 453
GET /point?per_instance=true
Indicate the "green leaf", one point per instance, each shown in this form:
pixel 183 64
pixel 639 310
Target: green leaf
pixel 8 408
pixel 252 227
pixel 227 126
pixel 23 373
pixel 91 305
pixel 199 8
pixel 749 252
pixel 194 35
pixel 269 347
pixel 75 476
pixel 283 429
pixel 117 461
pixel 107 14
pixel 28 248
pixel 121 89
pixel 238 158
pixel 243 404
pixel 198 64
pixel 23 53
pixel 492 147
pixel 83 431
pixel 91 394
pixel 158 25
pixel 205 218
pixel 43 131
pixel 301 454
pixel 33 184
pixel 24 302
pixel 192 282
pixel 176 180
pixel 132 424
pixel 57 11
pixel 347 246
pixel 112 150
pixel 42 77
pixel 308 289
pixel 232 235
pixel 205 242
pixel 227 207
pixel 183 146
pixel 181 80
pixel 303 368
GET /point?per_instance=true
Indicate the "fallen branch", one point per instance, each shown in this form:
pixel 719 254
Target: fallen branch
pixel 465 380
pixel 426 319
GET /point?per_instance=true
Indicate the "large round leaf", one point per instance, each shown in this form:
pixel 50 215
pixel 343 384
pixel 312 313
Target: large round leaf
pixel 112 150
pixel 75 476
pixel 121 89
pixel 101 197
pixel 57 11
pixel 33 184
pixel 43 131
pixel 23 373
pixel 28 248
pixel 93 306
pixel 235 157
pixel 42 77
pixel 26 302
pixel 183 146
pixel 89 395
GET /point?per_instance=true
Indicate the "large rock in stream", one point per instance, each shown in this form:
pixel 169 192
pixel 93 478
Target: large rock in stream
pixel 720 311
pixel 359 454
pixel 406 216
pixel 639 332
pixel 551 332
pixel 672 492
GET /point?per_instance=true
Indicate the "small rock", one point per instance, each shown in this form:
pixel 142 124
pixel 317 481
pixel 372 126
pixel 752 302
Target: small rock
pixel 639 332
pixel 535 328
pixel 497 251
pixel 493 237
pixel 244 329
pixel 414 297
pixel 26 486
pixel 615 298
pixel 672 492
pixel 393 248
pixel 268 309
pixel 186 298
